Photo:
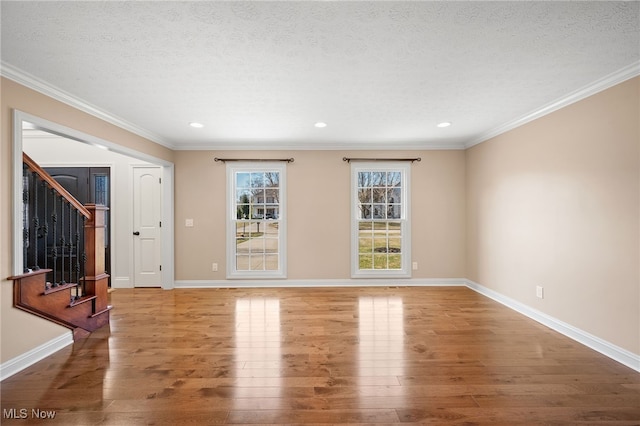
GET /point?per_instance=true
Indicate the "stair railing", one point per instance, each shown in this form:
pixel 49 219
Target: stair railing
pixel 55 227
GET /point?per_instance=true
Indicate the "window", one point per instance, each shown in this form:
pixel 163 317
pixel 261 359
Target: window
pixel 256 231
pixel 380 220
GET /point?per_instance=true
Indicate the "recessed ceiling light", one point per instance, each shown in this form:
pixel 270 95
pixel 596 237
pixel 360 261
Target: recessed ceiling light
pixel 196 125
pixel 320 124
pixel 444 124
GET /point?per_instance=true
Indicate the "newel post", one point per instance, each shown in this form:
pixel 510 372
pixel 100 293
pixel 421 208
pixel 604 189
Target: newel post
pixel 96 280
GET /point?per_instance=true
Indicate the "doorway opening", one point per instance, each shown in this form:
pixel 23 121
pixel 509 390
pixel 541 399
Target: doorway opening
pixel 99 164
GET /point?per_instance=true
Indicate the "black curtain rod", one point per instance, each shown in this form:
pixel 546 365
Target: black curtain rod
pixel 288 160
pixel 348 160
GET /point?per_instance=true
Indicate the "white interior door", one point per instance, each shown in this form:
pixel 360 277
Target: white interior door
pixel 147 221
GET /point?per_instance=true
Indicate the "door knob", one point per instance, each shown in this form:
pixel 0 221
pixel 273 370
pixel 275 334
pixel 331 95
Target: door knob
pixel 136 233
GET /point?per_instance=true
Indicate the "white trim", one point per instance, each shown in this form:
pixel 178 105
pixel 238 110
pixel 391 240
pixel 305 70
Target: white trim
pixel 599 85
pixel 121 282
pixel 614 352
pixel 311 283
pixel 19 363
pixel 17 188
pixel 278 145
pixel 34 83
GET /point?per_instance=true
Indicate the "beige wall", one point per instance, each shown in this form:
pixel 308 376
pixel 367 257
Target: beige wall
pixel 19 331
pixel 555 203
pixel 318 224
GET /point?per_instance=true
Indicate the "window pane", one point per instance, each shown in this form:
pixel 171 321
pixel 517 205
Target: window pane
pixel 257 179
pixel 258 196
pixel 243 196
pixel 379 195
pixel 272 196
pixel 255 229
pixel 242 211
pixel 395 261
pixel 394 211
pixel 379 226
pixel 380 244
pixel 272 179
pixel 395 245
pixel 394 179
pixel 365 211
pixel 379 211
pixel 365 261
pixel 242 263
pixel 271 262
pixel 242 229
pixel 378 179
pixel 364 195
pixel 365 245
pixel 364 179
pixel 243 180
pixel 379 261
pixel 393 195
pixel 365 226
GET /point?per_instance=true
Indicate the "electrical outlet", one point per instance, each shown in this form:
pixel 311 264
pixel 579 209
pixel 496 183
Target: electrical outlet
pixel 188 223
pixel 540 292
pixel 214 267
pixel 414 266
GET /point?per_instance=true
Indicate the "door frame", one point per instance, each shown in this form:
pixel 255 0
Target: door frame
pixel 20 117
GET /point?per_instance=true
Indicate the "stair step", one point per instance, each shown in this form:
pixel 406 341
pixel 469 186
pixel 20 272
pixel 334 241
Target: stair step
pixel 81 300
pixel 107 309
pixel 51 290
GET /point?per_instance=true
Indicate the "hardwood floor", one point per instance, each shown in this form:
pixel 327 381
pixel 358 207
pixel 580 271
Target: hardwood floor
pixel 434 355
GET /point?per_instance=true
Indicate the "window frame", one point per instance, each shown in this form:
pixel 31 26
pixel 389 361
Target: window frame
pixel 405 270
pixel 248 167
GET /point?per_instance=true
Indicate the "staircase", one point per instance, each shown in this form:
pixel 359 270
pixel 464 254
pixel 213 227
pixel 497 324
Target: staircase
pixel 66 281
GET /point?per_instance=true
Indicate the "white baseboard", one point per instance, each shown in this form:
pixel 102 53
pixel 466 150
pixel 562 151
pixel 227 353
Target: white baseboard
pixel 614 352
pixel 351 282
pixel 121 282
pixel 29 358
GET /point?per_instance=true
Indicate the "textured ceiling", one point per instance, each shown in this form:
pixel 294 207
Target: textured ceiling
pixel 260 74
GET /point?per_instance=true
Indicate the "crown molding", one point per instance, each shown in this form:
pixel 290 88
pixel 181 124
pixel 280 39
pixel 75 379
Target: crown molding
pixel 321 146
pixel 623 74
pixel 34 83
